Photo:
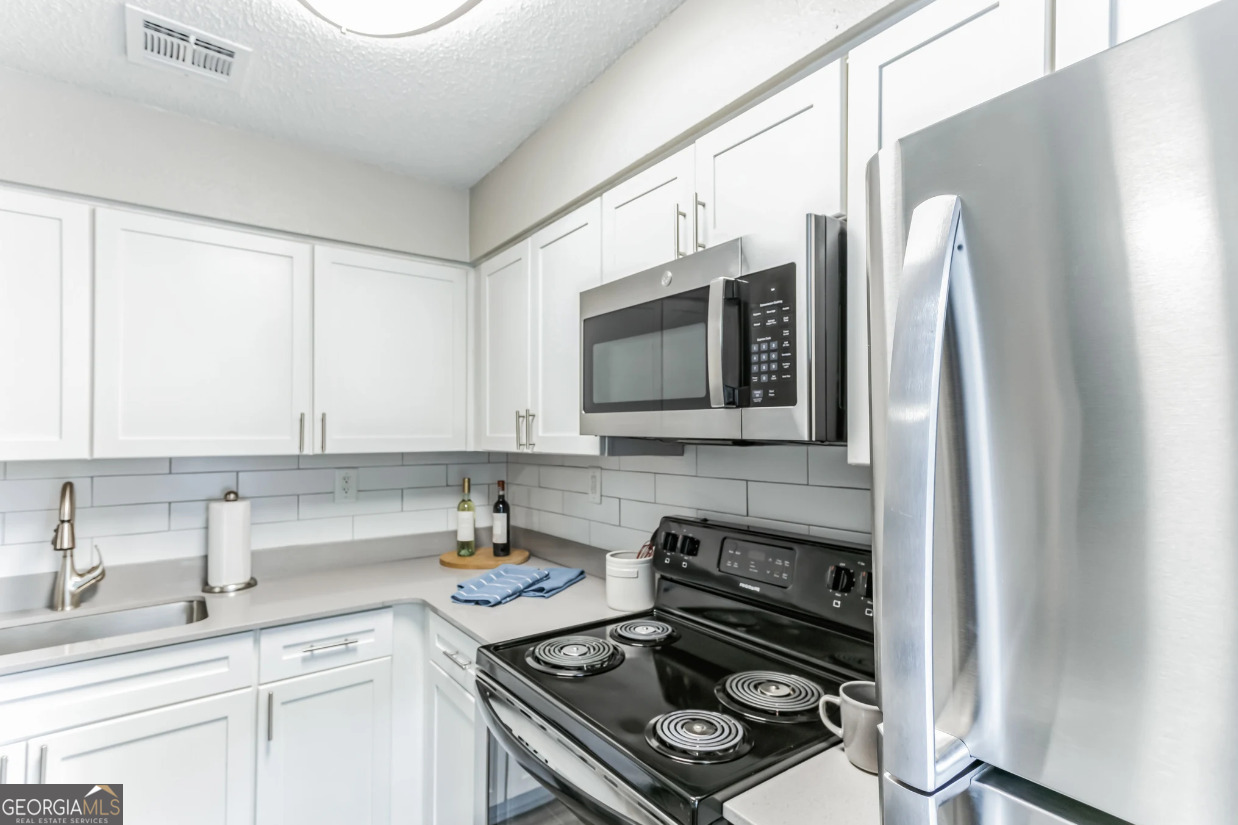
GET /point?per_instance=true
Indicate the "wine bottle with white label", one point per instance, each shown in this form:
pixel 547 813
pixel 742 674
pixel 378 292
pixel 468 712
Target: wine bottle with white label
pixel 465 522
pixel 502 545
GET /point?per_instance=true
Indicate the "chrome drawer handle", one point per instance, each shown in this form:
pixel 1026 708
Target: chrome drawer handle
pixel 459 661
pixel 332 646
pixel 4 770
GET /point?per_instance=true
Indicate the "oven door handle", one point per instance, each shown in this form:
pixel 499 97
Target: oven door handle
pixel 722 342
pixel 582 804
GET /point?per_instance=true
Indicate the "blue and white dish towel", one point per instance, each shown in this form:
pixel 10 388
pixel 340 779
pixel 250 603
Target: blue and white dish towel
pixel 508 581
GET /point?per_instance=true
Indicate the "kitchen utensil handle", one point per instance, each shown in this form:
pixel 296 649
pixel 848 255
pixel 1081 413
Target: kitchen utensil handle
pixel 836 701
pixel 935 264
pixel 301 440
pixel 270 716
pixel 696 223
pixel 680 215
pixel 721 290
pixel 519 430
pixel 324 433
pixel 529 415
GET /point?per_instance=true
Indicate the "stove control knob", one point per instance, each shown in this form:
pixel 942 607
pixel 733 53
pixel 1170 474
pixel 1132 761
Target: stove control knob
pixel 689 546
pixel 840 579
pixel 866 584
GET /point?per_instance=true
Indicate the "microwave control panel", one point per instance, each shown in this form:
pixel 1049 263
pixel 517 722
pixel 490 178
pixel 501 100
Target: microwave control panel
pixel 770 337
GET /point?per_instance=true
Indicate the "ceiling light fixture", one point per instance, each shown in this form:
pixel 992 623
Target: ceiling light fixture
pixel 388 18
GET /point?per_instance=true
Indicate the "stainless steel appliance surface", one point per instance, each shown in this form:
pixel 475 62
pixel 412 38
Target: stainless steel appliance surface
pixel 660 717
pixel 740 342
pixel 1054 282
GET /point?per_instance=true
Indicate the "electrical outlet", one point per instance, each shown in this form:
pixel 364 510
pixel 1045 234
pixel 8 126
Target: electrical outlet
pixel 345 485
pixel 595 485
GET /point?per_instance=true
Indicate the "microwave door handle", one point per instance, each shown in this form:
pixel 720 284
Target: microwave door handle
pixel 720 291
pixel 916 752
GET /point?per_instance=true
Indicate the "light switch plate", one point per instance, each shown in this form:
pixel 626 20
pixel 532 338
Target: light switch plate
pixel 346 485
pixel 595 485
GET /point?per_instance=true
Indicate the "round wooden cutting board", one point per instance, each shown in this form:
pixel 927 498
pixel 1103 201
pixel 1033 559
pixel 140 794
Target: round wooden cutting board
pixel 483 559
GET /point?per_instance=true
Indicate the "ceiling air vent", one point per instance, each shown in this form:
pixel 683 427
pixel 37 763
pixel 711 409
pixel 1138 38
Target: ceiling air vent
pixel 154 40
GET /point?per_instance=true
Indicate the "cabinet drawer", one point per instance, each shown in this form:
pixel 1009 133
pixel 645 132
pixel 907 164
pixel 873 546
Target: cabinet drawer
pixel 308 647
pixel 67 696
pixel 453 650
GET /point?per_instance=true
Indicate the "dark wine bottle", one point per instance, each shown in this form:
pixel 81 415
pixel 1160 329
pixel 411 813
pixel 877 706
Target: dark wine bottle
pixel 502 543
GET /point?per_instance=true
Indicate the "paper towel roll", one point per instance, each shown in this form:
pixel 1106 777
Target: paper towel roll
pixel 227 544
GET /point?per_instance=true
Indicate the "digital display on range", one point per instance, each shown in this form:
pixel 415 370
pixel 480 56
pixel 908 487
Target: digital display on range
pixel 758 562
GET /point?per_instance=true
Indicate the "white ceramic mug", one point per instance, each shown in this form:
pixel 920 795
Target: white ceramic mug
pixel 629 581
pixel 860 716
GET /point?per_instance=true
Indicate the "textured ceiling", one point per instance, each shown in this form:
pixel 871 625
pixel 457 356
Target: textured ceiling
pixel 447 105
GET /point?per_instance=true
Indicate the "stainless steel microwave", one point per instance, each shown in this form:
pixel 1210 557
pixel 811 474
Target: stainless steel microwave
pixel 734 343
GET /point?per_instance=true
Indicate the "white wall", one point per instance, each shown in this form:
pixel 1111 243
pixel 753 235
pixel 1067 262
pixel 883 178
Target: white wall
pixel 152 509
pixel 798 488
pixel 706 58
pixel 57 136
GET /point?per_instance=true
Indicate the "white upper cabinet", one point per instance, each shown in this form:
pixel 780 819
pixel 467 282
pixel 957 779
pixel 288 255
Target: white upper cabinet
pixel 566 258
pixel 202 340
pixel 944 58
pixel 44 328
pixel 1086 27
pixel 760 173
pixel 390 353
pixel 647 219
pixel 502 350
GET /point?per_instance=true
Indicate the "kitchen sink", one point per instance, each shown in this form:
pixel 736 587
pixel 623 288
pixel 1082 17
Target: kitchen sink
pixel 54 631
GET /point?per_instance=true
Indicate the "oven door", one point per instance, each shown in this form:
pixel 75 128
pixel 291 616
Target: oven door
pixel 577 781
pixel 660 350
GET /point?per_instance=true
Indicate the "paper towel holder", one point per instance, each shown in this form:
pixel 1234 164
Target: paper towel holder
pixel 230 588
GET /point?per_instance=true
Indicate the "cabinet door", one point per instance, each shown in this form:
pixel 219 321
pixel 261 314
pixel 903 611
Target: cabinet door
pixel 13 764
pixel 1086 27
pixel 566 258
pixel 390 353
pixel 324 747
pixel 947 57
pixel 456 756
pixel 503 349
pixel 760 173
pixel 192 763
pixel 637 213
pixel 202 339
pixel 44 328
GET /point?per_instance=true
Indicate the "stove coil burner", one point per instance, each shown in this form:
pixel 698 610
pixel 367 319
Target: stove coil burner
pixel 575 656
pixel 770 696
pixel 698 736
pixel 643 633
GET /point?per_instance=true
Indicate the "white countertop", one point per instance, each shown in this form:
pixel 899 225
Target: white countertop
pixel 824 790
pixel 337 591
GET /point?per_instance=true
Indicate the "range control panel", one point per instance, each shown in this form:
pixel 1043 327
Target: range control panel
pixel 832 580
pixel 770 325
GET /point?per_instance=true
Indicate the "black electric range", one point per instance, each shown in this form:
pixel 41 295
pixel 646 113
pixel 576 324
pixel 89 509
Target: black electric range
pixel 662 716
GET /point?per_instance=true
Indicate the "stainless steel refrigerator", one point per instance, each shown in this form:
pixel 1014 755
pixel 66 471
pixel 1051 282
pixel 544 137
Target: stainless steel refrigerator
pixel 1054 344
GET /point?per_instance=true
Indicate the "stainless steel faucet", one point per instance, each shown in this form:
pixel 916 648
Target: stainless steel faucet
pixel 69 582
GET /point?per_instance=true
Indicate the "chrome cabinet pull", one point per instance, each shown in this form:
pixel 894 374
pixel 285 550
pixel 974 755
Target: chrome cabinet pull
pixel 519 434
pixel 318 648
pixel 301 443
pixel 324 432
pixel 43 765
pixel 696 223
pixel 679 216
pixel 270 716
pixel 528 429
pixel 4 770
pixel 459 661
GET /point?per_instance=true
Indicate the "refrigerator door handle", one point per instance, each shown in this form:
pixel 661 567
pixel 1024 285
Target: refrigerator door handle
pixel 914 751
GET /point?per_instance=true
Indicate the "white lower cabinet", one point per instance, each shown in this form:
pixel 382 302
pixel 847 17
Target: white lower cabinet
pixel 191 763
pixel 13 764
pixel 455 783
pixel 324 747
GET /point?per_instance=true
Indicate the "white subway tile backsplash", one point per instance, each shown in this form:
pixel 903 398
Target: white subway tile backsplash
pixel 41 493
pixel 640 515
pixel 97 467
pixel 610 537
pixel 37 525
pixel 565 527
pixel 580 505
pixel 324 505
pixel 235 464
pixel 141 489
pixel 28 559
pixel 540 459
pixel 432 498
pixel 550 501
pixel 571 479
pixel 147 547
pixel 787 464
pixel 286 483
pixel 291 533
pixel 523 474
pixel 828 467
pixel 706 493
pixel 604 461
pixel 272 508
pixel 398 478
pixel 839 507
pixel 399 524
pixel 346 460
pixel 625 485
pixel 448 458
pixel 478 473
